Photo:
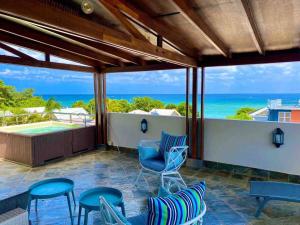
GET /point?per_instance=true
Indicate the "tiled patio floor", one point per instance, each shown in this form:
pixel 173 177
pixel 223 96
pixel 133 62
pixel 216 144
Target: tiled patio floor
pixel 226 198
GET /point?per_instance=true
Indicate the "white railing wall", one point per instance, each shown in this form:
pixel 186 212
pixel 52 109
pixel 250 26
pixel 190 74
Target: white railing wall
pixel 124 129
pixel 245 143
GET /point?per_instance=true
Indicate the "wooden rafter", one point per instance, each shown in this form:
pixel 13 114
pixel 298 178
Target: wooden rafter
pixel 44 64
pixel 46 37
pixel 253 28
pixel 36 11
pixel 15 51
pixel 189 13
pixel 158 26
pixel 123 20
pixel 20 41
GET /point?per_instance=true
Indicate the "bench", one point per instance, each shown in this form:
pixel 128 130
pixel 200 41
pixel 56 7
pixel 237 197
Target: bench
pixel 270 190
pixel 16 216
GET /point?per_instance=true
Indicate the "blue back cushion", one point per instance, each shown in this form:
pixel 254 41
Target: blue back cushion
pixel 177 208
pixel 168 141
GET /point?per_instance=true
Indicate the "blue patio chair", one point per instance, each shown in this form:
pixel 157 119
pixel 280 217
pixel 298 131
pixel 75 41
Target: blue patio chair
pixel 112 216
pixel 164 157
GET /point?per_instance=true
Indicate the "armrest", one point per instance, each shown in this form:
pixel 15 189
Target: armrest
pixel 176 156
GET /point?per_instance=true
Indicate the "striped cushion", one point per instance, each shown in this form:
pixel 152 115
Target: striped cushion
pixel 168 141
pixel 177 208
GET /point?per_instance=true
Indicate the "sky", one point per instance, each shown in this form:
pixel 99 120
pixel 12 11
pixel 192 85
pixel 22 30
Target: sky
pixel 263 78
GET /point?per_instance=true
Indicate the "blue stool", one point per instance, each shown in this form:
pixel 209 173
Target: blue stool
pixel 89 200
pixel 51 188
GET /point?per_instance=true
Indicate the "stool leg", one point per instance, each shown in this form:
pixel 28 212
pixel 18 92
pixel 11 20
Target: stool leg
pixel 86 215
pixel 123 208
pixel 79 214
pixel 29 205
pixel 70 210
pixel 36 203
pixel 73 195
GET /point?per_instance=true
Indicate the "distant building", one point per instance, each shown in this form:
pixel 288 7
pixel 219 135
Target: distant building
pixel 137 111
pixel 276 111
pixel 164 112
pixel 71 114
pixel 5 113
pixel 35 110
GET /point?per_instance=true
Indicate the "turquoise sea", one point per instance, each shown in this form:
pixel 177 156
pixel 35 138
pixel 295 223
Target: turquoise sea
pixel 216 105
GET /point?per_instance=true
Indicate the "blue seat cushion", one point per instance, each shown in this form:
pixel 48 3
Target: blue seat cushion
pixel 157 163
pixel 138 220
pixel 146 152
pixel 178 208
pixel 168 141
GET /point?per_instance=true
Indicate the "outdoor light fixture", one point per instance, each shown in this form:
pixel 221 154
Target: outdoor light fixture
pixel 144 125
pixel 278 137
pixel 87 6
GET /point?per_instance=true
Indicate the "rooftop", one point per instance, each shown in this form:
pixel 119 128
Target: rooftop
pixel 226 197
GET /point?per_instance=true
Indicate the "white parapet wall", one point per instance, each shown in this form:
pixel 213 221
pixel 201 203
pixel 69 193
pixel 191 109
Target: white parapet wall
pixel 249 143
pixel 124 129
pixel 244 143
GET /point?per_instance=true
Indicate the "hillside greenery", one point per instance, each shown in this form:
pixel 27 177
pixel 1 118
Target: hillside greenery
pixel 242 114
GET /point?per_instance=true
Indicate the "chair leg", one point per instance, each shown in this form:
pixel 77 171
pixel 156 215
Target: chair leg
pixel 138 177
pixel 123 209
pixel 29 205
pixel 70 209
pixel 36 204
pixel 261 206
pixel 79 214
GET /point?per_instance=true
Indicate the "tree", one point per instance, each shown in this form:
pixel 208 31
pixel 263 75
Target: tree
pixel 116 105
pixel 146 104
pixel 79 104
pixel 171 106
pixel 181 108
pixel 91 106
pixel 242 114
pixel 51 105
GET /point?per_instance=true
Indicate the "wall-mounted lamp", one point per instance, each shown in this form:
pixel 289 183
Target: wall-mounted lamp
pixel 278 137
pixel 144 125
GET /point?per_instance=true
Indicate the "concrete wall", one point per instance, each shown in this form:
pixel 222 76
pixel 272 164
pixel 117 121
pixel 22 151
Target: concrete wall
pixel 249 143
pixel 244 143
pixel 124 129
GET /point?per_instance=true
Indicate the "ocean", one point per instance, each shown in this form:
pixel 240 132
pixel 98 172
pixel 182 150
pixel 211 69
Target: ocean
pixel 216 105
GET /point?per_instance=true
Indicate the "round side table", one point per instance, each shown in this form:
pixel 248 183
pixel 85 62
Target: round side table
pixel 51 188
pixel 89 200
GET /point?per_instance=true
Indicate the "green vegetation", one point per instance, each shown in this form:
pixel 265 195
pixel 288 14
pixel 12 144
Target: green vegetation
pixel 242 114
pixel 15 102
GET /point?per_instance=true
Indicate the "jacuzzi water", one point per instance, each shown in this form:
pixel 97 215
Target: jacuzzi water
pixel 39 128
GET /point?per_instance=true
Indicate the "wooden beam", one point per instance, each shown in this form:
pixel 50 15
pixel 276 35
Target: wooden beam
pixel 148 67
pixel 129 26
pixel 160 27
pixel 194 113
pixel 44 64
pixel 189 13
pixel 278 56
pixel 36 11
pixel 252 25
pixel 202 113
pixel 27 43
pixel 15 51
pixel 187 104
pixel 54 40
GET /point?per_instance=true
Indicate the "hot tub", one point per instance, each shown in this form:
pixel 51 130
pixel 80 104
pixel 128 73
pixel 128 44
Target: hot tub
pixel 37 143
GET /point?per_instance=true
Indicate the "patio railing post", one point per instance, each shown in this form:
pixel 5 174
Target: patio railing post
pixel 202 113
pixel 187 92
pixel 194 114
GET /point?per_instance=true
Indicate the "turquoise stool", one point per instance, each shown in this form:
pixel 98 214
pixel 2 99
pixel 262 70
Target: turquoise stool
pixel 51 188
pixel 90 200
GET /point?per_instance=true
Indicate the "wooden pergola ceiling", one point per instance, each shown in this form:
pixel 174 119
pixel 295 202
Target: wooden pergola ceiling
pixel 133 35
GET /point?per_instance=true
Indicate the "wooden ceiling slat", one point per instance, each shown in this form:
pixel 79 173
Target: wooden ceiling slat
pixel 44 64
pixel 34 10
pixel 15 51
pixel 30 44
pixel 129 27
pixel 253 28
pixel 189 13
pixel 52 41
pixel 161 28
